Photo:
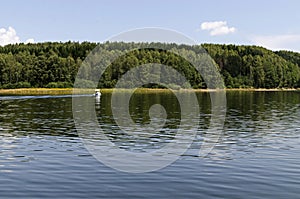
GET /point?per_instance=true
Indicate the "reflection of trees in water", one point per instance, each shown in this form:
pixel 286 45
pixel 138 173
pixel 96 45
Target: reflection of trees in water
pixel 139 106
pixel 38 116
pixel 259 119
pixel 254 119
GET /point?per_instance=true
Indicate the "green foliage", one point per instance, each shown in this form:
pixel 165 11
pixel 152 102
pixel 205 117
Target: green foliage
pixel 59 85
pixel 16 85
pixel 83 83
pixel 56 65
pixel 257 67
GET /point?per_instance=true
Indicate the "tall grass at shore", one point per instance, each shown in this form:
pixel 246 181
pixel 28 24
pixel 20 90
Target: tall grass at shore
pixel 70 91
pixel 37 91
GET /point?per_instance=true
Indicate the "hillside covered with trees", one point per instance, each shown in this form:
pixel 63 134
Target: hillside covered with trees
pixel 57 64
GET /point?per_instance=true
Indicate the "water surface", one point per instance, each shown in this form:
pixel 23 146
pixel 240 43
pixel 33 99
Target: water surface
pixel 257 156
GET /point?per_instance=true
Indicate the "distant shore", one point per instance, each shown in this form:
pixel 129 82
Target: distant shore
pixel 37 91
pixel 70 91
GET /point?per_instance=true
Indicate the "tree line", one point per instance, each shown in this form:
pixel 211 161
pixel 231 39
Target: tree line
pixel 57 64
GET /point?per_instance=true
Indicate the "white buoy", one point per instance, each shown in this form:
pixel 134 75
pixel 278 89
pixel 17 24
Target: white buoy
pixel 97 93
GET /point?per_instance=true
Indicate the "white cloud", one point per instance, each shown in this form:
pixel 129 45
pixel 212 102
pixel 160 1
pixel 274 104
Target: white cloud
pixel 29 41
pixel 278 42
pixel 217 28
pixel 9 36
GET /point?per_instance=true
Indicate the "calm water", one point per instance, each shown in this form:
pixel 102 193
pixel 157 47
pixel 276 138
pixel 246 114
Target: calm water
pixel 258 156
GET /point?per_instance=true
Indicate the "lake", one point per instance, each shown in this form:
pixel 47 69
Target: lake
pixel 257 155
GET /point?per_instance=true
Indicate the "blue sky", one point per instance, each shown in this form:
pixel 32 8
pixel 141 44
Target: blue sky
pixel 273 24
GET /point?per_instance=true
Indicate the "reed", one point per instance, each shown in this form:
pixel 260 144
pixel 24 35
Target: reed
pixel 70 91
pixel 37 91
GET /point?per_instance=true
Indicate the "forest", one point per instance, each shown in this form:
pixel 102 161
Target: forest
pixel 57 64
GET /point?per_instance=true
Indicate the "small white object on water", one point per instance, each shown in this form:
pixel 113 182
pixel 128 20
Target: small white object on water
pixel 97 93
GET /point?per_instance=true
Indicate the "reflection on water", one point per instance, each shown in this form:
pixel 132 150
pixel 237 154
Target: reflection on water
pixel 41 154
pixel 143 137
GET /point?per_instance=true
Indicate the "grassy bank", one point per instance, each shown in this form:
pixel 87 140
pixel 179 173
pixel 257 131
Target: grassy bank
pixel 69 91
pixel 37 91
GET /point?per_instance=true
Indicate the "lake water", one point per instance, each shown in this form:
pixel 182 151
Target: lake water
pixel 258 155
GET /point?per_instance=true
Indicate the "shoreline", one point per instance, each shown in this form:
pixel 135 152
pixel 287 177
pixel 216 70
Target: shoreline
pixel 70 91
